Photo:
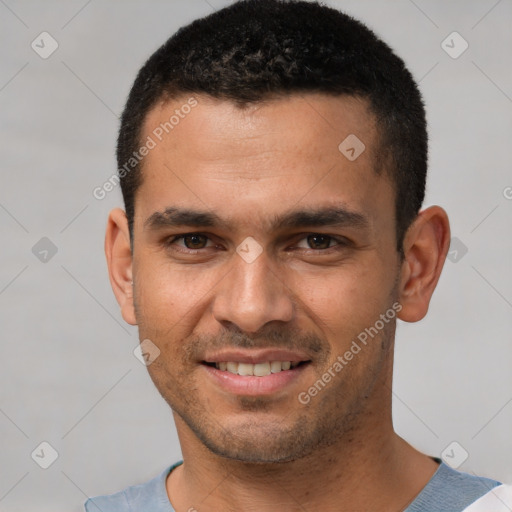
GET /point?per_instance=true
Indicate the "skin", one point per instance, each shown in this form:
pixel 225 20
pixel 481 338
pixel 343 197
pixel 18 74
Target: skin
pixel 249 166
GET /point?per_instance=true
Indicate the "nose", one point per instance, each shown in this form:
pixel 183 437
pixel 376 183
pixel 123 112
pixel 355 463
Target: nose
pixel 251 295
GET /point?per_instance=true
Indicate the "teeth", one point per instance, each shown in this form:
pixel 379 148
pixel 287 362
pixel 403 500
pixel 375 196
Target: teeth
pixel 245 369
pixel 259 369
pixel 262 369
pixel 232 367
pixel 276 366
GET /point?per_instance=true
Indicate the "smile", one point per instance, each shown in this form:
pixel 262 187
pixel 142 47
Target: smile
pixel 257 370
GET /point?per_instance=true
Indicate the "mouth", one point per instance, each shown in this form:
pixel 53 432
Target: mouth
pixel 256 373
pixel 262 369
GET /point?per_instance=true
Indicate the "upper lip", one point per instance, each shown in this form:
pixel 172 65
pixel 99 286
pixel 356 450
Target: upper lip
pixel 256 356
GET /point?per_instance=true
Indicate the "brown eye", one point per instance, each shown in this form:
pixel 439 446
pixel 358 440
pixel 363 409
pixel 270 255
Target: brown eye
pixel 195 241
pixel 319 241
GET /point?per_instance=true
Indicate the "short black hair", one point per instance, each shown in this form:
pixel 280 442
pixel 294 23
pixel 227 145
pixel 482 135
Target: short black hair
pixel 256 49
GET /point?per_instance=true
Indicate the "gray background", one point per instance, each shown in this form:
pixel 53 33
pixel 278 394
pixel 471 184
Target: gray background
pixel 68 375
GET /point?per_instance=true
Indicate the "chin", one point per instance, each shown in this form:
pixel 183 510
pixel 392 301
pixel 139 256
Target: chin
pixel 263 442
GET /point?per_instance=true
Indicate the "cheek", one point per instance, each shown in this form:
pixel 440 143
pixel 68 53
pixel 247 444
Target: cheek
pixel 170 297
pixel 157 296
pixel 345 301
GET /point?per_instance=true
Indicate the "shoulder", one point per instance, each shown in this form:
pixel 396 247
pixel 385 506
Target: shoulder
pixel 136 497
pixel 449 489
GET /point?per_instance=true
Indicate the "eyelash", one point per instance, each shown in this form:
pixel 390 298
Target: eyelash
pixel 338 243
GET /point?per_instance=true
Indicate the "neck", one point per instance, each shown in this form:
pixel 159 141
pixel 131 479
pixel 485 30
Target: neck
pixel 369 468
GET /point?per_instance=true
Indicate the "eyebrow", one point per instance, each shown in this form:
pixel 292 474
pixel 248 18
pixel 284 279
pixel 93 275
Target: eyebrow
pixel 327 216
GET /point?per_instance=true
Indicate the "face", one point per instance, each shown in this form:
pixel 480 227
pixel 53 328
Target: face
pixel 262 256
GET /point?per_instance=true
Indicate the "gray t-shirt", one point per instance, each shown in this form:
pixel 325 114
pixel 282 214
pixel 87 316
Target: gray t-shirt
pixel 447 490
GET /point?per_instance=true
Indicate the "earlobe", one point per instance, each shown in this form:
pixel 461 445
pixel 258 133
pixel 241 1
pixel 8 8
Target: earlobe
pixel 119 261
pixel 426 245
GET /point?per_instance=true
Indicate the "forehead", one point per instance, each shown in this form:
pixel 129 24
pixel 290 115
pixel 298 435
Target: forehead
pixel 302 124
pixel 263 157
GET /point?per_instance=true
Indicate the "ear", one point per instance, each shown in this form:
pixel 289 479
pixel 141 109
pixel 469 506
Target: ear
pixel 119 261
pixel 425 247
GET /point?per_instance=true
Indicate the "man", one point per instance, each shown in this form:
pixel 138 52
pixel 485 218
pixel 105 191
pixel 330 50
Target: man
pixel 273 159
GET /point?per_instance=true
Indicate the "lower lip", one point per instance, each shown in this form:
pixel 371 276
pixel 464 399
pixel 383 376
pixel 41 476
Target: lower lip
pixel 254 386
